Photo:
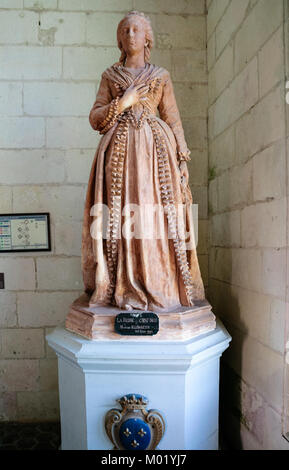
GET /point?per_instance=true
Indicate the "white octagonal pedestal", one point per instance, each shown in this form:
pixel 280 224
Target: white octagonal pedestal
pixel 179 378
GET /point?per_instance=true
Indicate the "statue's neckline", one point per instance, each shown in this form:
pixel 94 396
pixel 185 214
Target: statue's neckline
pixel 133 73
pixel 132 69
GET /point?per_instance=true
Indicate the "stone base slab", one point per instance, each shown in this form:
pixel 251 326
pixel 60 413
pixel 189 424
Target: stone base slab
pixel 178 324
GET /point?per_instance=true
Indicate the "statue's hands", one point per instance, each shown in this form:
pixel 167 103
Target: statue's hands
pixel 133 95
pixel 184 173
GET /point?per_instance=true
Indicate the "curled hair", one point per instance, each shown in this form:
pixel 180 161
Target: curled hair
pixel 148 30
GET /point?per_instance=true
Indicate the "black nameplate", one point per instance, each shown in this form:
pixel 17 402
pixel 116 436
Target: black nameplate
pixel 136 323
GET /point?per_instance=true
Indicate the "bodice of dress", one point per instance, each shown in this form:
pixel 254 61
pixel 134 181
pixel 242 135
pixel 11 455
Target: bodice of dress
pixel 123 78
pixel 160 98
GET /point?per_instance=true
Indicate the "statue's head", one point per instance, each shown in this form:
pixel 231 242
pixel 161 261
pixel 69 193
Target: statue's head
pixel 135 35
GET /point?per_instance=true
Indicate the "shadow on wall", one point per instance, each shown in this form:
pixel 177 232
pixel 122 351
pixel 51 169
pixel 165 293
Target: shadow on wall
pixel 231 417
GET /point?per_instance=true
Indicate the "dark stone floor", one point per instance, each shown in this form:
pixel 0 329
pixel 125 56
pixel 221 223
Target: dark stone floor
pixel 29 436
pixel 39 436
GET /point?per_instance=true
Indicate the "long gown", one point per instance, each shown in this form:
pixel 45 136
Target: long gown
pixel 136 163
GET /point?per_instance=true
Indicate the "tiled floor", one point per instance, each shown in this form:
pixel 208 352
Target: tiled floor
pixel 16 436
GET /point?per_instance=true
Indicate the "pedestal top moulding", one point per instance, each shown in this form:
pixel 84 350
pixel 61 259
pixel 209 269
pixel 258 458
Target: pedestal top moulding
pixel 138 241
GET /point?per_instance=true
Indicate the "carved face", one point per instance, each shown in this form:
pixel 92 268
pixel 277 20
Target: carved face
pixel 133 36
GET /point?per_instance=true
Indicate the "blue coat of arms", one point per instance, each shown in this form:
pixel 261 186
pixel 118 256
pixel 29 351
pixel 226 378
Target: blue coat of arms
pixel 134 427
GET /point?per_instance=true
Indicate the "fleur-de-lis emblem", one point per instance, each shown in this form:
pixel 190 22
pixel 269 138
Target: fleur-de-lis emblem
pixel 142 432
pixel 134 427
pixel 134 443
pixel 127 432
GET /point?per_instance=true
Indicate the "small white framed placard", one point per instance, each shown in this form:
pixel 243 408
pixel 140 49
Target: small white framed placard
pixel 25 232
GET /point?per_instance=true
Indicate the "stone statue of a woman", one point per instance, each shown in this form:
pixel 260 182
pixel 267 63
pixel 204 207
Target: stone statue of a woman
pixel 140 160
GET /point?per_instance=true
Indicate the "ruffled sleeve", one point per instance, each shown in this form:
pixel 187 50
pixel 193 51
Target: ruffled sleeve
pixel 169 113
pixel 105 109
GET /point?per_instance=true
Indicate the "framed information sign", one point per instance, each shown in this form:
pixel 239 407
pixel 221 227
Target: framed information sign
pixel 25 232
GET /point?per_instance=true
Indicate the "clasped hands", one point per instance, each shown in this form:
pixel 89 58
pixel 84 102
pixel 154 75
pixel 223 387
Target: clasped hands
pixel 135 94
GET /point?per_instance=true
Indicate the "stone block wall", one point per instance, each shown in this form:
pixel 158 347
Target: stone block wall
pixel 52 54
pixel 286 372
pixel 248 212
